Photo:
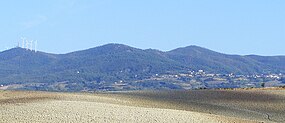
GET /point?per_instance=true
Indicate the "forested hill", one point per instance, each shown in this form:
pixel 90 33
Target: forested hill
pixel 113 62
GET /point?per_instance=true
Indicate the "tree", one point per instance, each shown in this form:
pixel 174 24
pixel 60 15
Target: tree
pixel 262 84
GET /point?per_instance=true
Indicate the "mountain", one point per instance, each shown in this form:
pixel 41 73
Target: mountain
pixel 201 58
pixel 20 65
pixel 113 58
pixel 111 63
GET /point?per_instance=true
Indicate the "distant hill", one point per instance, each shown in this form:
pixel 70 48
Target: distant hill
pixel 201 58
pixel 117 62
pixel 110 62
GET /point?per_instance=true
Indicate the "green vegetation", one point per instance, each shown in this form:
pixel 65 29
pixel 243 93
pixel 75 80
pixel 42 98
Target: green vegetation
pixel 262 85
pixel 98 68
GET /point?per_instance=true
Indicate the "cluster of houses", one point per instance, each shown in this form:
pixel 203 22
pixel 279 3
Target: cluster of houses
pixel 202 73
pixel 222 80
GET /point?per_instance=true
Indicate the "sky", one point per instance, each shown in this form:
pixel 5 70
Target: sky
pixel 229 26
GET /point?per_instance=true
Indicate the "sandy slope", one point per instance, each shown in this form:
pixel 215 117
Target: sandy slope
pixel 17 106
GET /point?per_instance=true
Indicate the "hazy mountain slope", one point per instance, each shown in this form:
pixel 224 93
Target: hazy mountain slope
pixel 21 65
pixel 116 58
pixel 201 58
pixel 275 63
pixel 29 60
pixel 110 62
pixel 115 62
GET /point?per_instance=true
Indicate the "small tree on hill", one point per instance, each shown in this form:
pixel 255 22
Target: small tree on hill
pixel 262 84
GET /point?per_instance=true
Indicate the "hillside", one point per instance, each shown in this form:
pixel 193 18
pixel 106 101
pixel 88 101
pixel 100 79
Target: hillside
pixel 102 66
pixel 201 58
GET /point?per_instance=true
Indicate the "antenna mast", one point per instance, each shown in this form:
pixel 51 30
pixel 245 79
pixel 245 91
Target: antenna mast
pixel 27 45
pixel 36 43
pixel 31 45
pixel 23 42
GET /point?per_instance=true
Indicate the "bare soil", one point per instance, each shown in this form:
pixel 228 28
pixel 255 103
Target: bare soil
pixel 225 106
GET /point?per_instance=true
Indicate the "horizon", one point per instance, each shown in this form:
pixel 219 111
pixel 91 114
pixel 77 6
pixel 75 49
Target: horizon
pixel 232 27
pixel 136 48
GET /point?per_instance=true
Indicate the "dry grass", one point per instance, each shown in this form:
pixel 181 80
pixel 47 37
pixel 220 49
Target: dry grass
pixel 167 106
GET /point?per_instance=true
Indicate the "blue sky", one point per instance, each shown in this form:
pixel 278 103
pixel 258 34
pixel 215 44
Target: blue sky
pixel 228 26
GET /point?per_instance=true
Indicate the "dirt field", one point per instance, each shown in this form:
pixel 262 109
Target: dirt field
pixel 225 106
